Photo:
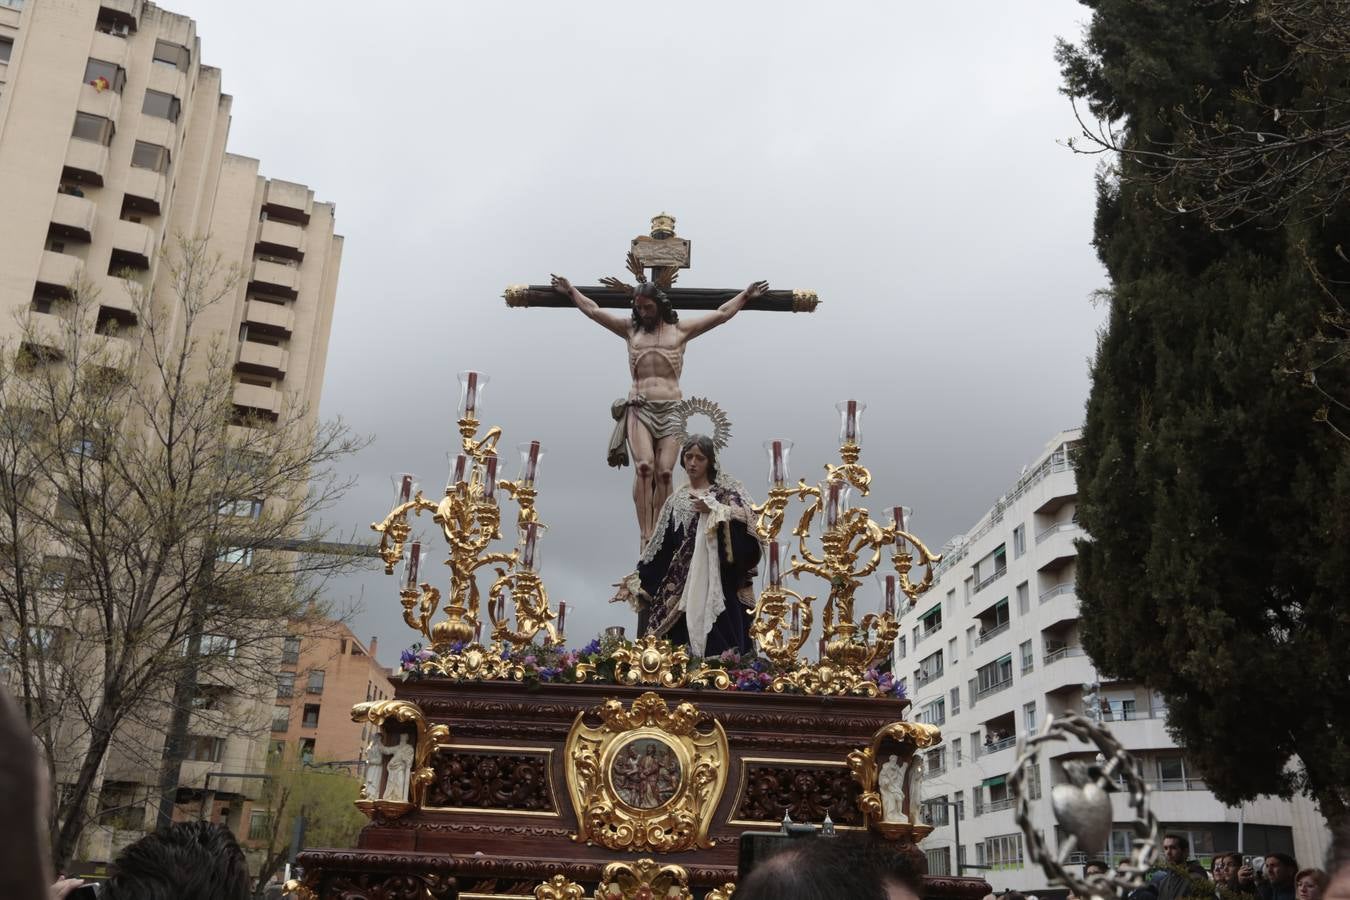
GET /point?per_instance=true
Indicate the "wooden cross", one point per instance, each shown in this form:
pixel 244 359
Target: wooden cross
pixel 662 254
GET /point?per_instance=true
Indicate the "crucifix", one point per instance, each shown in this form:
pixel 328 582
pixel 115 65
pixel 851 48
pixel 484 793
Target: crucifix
pixel 650 421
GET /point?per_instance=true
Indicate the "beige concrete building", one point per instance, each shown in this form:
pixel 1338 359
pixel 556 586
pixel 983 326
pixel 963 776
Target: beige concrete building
pixel 112 141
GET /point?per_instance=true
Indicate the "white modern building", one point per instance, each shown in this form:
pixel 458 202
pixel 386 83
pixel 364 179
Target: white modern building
pixel 993 649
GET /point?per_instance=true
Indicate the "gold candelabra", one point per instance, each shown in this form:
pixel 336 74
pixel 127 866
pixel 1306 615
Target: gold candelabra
pixel 469 516
pixel 851 546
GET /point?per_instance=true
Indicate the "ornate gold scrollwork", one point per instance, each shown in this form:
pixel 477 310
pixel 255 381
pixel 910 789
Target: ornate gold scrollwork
pixel 722 893
pixel 804 301
pixel 866 768
pixel 640 880
pixel 298 890
pixel 429 739
pixel 647 778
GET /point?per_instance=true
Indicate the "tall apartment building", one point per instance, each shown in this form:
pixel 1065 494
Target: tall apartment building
pixel 112 141
pixel 994 648
pixel 324 672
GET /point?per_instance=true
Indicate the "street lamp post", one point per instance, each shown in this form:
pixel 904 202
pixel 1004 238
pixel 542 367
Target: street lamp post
pixel 956 825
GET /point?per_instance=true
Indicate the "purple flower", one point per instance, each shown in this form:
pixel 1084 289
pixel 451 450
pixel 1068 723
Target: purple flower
pixel 728 656
pixel 425 654
pixel 548 673
pixel 592 647
pixel 407 657
pixel 530 660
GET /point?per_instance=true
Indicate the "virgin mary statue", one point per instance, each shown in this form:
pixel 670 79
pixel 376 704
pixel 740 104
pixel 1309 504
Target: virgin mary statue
pixel 694 581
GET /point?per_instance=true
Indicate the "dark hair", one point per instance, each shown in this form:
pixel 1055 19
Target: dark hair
pixel 823 868
pixel 23 851
pixel 1095 863
pixel 666 312
pixel 1284 858
pixel 1185 842
pixel 182 861
pixel 704 443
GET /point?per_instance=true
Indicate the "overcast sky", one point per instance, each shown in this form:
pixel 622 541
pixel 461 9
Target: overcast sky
pixel 901 159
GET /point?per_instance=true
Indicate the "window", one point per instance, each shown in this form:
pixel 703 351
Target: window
pixel 205 749
pixel 256 381
pixel 105 76
pixel 93 128
pixel 238 555
pixel 290 649
pixel 934 713
pixel 939 860
pixel 1023 599
pixel 158 103
pixel 210 696
pixel 259 825
pixel 1001 852
pixel 281 718
pixel 1029 718
pixel 956 745
pixel 150 156
pixel 218 645
pixel 959 798
pixel 307 750
pixel 311 717
pixel 315 683
pixel 935 761
pixel 974 745
pixel 900 647
pixel 242 509
pixel 951 650
pixel 934 812
pixel 170 54
pixel 970 640
pixel 956 701
pixel 995 676
pixel 989 569
pixel 1173 775
pixel 1028 660
pixel 970 589
pixel 277 749
pixel 930 667
pixel 931 621
pixel 6 49
pixel 1033 779
pixel 1118 709
pixel 1019 541
pixel 285 684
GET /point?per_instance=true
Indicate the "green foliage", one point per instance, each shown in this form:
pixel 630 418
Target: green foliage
pixel 1219 508
pixel 323 796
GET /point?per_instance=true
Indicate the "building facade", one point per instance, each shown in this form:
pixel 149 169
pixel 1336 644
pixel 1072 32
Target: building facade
pixel 993 650
pixel 112 142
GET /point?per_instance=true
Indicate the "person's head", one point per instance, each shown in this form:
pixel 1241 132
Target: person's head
pixel 1309 884
pixel 1176 849
pixel 182 861
pixel 1280 868
pixel 651 307
pixel 858 867
pixel 1224 869
pixel 23 845
pixel 1095 867
pixel 698 458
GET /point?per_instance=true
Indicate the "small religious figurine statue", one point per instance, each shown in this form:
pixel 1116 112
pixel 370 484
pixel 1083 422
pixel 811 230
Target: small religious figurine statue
pixel 891 785
pixel 647 427
pixel 694 579
pixel 400 770
pixel 374 768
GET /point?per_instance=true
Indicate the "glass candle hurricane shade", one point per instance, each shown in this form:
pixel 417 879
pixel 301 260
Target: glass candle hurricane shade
pixel 531 533
pixel 405 486
pixel 850 421
pixel 779 453
pixel 471 386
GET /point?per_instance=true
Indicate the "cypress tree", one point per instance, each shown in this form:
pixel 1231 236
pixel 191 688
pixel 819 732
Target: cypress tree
pixel 1218 568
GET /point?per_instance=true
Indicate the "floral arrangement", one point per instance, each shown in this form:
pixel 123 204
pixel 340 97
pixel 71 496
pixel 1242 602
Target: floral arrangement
pixel 558 665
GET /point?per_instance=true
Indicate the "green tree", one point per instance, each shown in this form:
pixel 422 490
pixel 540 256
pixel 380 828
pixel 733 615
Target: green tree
pixel 315 793
pixel 1219 509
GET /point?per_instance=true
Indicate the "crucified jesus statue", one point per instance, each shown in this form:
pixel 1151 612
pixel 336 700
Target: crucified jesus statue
pixel 648 427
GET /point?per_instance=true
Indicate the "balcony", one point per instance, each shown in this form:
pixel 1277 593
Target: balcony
pixel 1000 805
pixel 46 334
pixel 269 317
pixel 145 190
pixel 1056 655
pixel 275 277
pixel 157 131
pixel 117 294
pixel 998 745
pixel 993 688
pixel 1058 590
pixel 86 161
pixel 1055 546
pixel 256 398
pixel 73 217
pixel 110 353
pixel 1061 528
pixel 992 633
pixel 168 80
pixel 106 103
pixel 281 239
pixel 261 359
pixel 133 244
pixel 990 579
pixel 58 271
pixel 288 201
pixel 121 12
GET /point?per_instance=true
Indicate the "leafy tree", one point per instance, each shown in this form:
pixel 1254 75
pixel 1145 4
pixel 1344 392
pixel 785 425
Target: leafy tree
pixel 1219 510
pixel 139 515
pixel 315 793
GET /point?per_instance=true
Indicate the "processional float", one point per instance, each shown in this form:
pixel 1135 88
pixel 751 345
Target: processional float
pixel 509 766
